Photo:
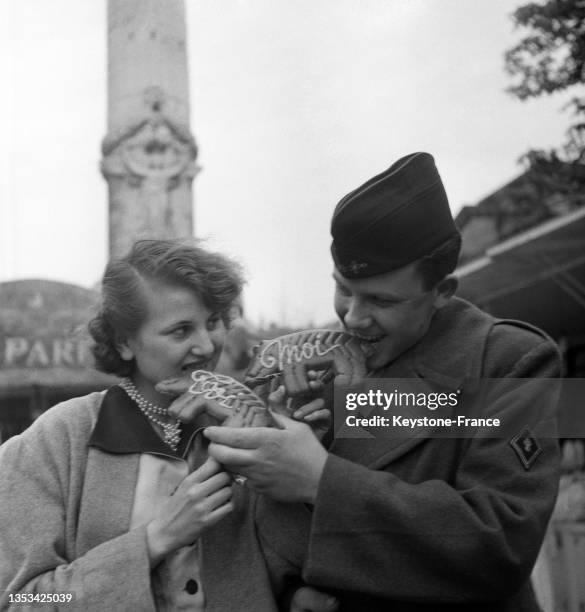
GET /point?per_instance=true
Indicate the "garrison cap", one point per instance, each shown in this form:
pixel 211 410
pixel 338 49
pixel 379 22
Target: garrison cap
pixel 393 219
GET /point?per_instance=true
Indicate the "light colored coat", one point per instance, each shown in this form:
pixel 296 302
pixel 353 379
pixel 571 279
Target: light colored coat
pixel 64 518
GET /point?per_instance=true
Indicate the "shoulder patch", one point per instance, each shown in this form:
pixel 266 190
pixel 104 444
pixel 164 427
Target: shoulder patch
pixel 526 448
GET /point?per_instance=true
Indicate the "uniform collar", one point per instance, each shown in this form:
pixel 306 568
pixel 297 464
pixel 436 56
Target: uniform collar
pixel 121 428
pixel 450 354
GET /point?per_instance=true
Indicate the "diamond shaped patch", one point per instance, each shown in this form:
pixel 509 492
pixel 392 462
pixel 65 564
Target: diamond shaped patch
pixel 526 448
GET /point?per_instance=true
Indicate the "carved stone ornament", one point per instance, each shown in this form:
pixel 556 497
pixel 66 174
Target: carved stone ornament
pixel 154 148
pixel 154 151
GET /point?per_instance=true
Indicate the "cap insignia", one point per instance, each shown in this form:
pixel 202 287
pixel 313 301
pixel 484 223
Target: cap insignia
pixel 354 267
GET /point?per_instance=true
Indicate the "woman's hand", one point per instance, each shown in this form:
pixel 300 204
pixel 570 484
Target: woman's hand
pixel 187 406
pixel 202 499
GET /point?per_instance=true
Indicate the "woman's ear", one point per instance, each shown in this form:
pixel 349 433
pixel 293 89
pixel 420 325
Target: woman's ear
pixel 124 349
pixel 445 291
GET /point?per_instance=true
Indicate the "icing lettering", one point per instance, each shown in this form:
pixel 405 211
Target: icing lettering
pixel 278 353
pixel 217 387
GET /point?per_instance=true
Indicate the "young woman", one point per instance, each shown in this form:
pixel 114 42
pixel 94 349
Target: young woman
pixel 109 502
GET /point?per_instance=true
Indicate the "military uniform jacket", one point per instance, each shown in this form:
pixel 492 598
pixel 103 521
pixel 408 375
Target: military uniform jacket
pixel 427 523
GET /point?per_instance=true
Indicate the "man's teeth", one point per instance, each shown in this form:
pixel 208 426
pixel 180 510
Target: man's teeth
pixel 369 344
pixel 369 338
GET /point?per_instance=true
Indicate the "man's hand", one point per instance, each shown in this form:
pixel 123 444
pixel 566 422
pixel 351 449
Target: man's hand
pixel 312 412
pixel 285 464
pixel 309 599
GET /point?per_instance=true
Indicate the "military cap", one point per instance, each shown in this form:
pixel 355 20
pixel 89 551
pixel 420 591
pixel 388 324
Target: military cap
pixel 393 219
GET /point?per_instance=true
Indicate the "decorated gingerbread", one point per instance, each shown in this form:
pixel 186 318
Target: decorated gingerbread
pixel 290 357
pixel 222 397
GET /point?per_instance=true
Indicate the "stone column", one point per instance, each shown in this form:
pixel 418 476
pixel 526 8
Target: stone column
pixel 149 154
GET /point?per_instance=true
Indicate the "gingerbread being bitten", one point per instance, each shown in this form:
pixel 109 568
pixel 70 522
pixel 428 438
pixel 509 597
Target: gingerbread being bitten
pixel 289 358
pixel 300 362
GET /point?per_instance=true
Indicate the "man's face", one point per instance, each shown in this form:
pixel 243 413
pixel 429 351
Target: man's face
pixel 392 310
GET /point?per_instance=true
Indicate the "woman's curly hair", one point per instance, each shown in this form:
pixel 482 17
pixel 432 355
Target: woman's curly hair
pixel 214 278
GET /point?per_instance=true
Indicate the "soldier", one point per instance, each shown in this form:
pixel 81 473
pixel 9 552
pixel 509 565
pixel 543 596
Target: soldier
pixel 426 522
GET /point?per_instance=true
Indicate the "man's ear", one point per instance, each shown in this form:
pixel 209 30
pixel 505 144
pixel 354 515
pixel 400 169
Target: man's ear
pixel 445 291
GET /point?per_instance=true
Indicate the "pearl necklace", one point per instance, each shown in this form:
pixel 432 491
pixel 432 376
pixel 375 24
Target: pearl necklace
pixel 171 431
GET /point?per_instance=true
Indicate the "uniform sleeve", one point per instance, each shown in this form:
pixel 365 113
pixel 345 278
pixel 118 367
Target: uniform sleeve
pixel 472 539
pixel 41 478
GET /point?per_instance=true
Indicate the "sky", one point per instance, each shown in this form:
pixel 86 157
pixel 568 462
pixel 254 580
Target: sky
pixel 294 103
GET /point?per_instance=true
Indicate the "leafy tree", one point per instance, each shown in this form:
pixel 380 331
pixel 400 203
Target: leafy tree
pixel 550 59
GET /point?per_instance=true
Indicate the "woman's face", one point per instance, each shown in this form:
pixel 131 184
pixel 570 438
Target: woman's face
pixel 179 335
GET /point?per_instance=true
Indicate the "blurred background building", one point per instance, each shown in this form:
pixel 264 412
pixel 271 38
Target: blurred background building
pixel 44 354
pixel 523 258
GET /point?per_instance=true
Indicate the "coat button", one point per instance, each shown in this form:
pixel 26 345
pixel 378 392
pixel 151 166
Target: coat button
pixel 191 587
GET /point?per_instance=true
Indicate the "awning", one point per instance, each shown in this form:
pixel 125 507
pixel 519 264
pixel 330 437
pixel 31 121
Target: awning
pixel 17 381
pixel 537 276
